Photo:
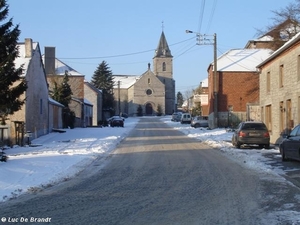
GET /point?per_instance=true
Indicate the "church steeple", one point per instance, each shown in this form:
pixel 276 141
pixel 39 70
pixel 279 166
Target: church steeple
pixel 162 49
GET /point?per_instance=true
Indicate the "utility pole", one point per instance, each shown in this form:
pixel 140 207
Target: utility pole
pixel 204 39
pixel 119 100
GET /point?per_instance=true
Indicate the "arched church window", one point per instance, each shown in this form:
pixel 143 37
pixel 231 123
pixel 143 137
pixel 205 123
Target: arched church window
pixel 164 66
pixel 149 81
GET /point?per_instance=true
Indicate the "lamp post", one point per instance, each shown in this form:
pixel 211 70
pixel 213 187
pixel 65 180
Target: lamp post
pixel 204 39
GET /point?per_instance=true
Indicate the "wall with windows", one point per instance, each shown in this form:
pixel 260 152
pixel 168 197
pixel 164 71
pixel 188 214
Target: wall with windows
pixel 280 90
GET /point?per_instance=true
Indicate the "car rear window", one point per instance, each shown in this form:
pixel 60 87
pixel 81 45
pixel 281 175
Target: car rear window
pixel 254 126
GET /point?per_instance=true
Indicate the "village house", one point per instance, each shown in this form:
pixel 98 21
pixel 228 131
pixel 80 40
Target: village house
pixel 279 89
pixel 55 71
pixel 94 96
pixel 153 90
pixel 234 90
pixel 40 113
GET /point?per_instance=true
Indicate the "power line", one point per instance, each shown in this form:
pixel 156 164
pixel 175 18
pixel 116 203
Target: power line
pixel 122 55
pixel 211 15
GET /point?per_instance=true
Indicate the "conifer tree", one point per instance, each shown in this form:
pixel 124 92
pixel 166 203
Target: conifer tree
pixel 12 85
pixel 103 80
pixel 63 94
pixel 179 99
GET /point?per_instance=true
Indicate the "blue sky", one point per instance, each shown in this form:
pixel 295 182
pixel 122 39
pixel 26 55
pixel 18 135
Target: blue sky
pixel 126 33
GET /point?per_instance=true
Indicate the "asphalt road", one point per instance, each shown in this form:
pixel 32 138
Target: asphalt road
pixel 157 175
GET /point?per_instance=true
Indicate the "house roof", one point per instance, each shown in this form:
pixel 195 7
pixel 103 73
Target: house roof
pixel 88 84
pixel 242 60
pixel 204 82
pixel 22 59
pixel 126 81
pixel 53 102
pixel 287 45
pixel 61 68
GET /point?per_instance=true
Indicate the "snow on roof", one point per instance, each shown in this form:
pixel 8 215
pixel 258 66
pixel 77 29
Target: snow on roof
pixel 22 59
pixel 61 68
pixel 244 60
pixel 126 81
pixel 52 101
pixel 288 44
pixel 205 82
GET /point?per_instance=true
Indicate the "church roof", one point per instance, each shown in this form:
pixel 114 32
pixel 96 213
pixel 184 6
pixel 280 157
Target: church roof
pixel 163 48
pixel 126 81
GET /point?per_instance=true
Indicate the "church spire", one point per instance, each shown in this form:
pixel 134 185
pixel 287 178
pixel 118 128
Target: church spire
pixel 162 49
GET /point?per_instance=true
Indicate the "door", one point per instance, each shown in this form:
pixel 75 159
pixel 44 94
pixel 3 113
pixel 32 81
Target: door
pixel 149 109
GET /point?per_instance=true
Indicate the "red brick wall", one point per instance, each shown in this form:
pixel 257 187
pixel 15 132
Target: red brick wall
pixel 235 89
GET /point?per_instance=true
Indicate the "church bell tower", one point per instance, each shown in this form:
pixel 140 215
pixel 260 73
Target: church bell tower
pixel 163 69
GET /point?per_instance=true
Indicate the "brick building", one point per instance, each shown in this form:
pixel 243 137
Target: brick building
pixel 235 87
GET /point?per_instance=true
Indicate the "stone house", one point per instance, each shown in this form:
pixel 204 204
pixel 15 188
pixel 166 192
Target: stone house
pixel 94 96
pixel 55 71
pixel 34 114
pixel 151 90
pixel 279 89
pixel 235 86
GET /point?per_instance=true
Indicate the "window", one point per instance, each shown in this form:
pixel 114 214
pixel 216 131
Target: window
pixel 281 73
pixel 268 82
pixel 149 81
pixel 149 92
pixel 164 66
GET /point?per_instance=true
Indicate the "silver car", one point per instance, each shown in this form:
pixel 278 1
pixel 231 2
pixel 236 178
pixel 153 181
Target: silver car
pixel 199 121
pixel 251 133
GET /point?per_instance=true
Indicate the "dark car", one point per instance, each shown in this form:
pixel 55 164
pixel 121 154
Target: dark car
pixel 290 146
pixel 116 121
pixel 199 121
pixel 251 133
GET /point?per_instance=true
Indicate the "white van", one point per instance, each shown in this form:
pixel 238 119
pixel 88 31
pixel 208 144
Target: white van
pixel 186 118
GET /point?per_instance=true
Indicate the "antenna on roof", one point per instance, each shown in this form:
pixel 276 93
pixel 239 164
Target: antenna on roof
pixel 162 25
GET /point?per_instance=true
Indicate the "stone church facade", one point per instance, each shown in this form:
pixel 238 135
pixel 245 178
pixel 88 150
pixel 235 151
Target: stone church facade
pixel 151 90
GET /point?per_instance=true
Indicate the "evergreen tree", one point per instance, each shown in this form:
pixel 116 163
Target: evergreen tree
pixel 159 110
pixel 103 80
pixel 179 99
pixel 10 101
pixel 63 94
pixel 140 111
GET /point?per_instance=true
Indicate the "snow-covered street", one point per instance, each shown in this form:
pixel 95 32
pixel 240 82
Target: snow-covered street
pixel 59 156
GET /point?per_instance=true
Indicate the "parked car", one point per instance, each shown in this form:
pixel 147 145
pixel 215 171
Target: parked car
pixel 199 121
pixel 186 118
pixel 176 116
pixel 290 146
pixel 251 133
pixel 116 121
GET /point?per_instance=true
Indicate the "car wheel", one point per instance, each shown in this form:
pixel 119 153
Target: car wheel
pixel 267 146
pixel 284 158
pixel 196 125
pixel 238 144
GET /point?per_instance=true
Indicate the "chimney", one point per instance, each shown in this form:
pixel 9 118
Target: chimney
pixel 28 47
pixel 50 60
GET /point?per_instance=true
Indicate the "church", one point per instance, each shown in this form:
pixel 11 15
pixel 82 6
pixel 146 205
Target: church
pixel 153 91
